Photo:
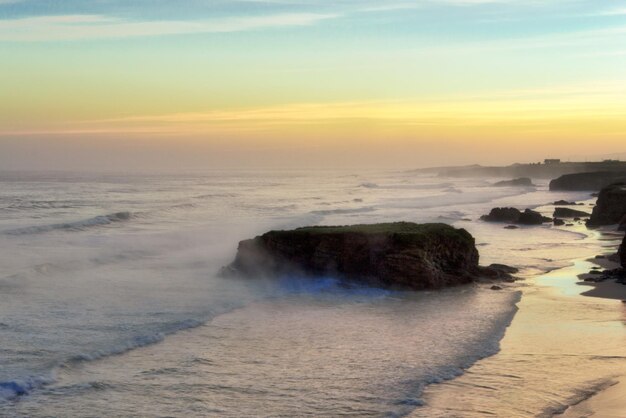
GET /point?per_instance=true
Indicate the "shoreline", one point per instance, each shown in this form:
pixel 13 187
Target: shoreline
pixel 596 394
pixel 607 289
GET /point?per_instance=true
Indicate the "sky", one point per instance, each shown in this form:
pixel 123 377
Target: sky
pixel 120 84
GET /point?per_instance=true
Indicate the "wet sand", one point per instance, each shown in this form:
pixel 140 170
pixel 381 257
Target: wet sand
pixel 561 350
pixel 608 289
pixel 610 403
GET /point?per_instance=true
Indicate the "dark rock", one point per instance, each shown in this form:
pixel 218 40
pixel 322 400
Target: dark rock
pixel 610 207
pixel 504 268
pixel 600 257
pixel 558 222
pixel 587 181
pixel 502 215
pixel 513 215
pixel 395 255
pixel 622 224
pixel 511 227
pixel 569 213
pixel 498 272
pixel 577 219
pixel 495 287
pixel 564 203
pixel 520 182
pixel 622 253
pixel 530 217
pixel 569 224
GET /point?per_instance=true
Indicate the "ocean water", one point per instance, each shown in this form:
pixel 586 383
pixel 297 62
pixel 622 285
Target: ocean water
pixel 110 301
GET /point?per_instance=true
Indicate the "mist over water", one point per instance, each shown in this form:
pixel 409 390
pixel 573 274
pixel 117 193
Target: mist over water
pixel 110 300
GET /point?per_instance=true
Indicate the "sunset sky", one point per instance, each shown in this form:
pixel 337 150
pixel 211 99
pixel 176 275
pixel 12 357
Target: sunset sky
pixel 309 83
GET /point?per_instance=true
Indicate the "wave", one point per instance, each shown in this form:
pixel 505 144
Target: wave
pixel 41 204
pixel 214 195
pixel 136 342
pixel 344 211
pixel 23 386
pixel 329 286
pixel 73 226
pixel 413 398
pixel 13 388
pixel 434 186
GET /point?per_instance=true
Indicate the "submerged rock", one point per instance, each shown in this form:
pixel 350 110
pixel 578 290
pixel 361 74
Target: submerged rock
pixel 611 206
pixel 569 213
pixel 393 255
pixel 558 222
pixel 587 181
pixel 520 182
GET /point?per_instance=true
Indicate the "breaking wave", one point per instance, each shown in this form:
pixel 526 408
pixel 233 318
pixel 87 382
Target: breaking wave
pixel 73 226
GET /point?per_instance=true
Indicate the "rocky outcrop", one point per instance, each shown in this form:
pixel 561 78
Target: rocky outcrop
pixel 520 182
pixel 564 203
pixel 513 215
pixel 558 222
pixel 569 213
pixel 610 207
pixel 531 217
pixel 394 255
pixel 587 181
pixel 502 215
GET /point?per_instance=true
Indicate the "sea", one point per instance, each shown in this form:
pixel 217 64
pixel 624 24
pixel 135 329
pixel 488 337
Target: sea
pixel 111 303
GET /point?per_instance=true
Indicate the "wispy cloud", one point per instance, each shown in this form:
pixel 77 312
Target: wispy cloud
pixel 81 27
pixel 614 12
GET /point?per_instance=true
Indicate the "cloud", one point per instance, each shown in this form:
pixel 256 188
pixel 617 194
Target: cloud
pixel 81 27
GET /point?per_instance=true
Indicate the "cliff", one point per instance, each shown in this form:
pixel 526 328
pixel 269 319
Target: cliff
pixel 610 207
pixel 587 181
pixel 536 170
pixel 392 255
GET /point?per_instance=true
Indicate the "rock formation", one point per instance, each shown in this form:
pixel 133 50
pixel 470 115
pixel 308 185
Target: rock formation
pixel 520 182
pixel 394 255
pixel 610 207
pixel 569 213
pixel 513 215
pixel 587 181
pixel 502 215
pixel 531 217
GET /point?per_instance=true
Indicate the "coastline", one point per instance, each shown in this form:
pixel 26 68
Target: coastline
pixel 598 375
pixel 609 402
pixel 541 350
pixel 608 289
